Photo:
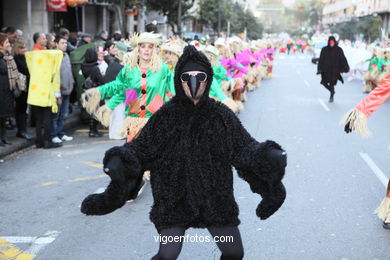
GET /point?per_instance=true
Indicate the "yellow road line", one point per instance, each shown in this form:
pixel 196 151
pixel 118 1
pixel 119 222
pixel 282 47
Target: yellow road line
pixel 87 130
pixel 87 178
pixel 9 251
pixel 85 144
pixel 49 183
pixel 96 165
pixel 92 164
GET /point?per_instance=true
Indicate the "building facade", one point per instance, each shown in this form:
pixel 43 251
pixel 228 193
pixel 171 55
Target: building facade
pixel 336 11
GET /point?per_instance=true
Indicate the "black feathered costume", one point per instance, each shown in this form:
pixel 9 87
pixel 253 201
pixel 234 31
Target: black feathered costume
pixel 332 62
pixel 190 150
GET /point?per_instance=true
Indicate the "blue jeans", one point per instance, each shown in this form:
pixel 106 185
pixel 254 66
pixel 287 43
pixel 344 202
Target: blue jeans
pixel 58 120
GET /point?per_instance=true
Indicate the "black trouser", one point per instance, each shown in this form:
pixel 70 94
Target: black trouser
pixel 43 120
pixel 230 250
pixel 2 127
pixel 20 112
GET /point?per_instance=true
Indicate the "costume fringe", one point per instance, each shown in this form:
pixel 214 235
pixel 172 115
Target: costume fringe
pixel 103 115
pixel 383 211
pixel 132 125
pixel 357 122
pixel 244 96
pixel 240 106
pixel 90 100
pixel 230 104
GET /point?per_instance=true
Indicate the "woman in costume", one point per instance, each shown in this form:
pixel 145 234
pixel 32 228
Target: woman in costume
pixel 356 120
pixel 234 69
pixel 219 71
pixel 191 169
pixel 144 83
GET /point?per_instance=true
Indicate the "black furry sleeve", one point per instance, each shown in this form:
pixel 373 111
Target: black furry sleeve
pixel 262 165
pixel 125 166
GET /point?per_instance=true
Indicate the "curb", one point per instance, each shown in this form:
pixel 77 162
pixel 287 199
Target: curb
pixel 18 144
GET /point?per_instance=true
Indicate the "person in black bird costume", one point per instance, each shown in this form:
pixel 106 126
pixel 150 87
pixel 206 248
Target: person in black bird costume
pixel 332 62
pixel 190 145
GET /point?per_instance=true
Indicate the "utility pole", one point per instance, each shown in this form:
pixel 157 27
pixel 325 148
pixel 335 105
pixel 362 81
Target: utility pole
pixel 179 19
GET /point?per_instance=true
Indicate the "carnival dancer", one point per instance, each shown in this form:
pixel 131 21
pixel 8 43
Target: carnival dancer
pixel 332 62
pixel 234 69
pixel 270 59
pixel 356 120
pixel 191 169
pixel 143 83
pixel 219 71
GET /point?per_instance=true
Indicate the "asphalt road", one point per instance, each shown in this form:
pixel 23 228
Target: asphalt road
pixel 331 189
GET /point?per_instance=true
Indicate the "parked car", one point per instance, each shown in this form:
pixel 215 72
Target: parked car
pixel 317 51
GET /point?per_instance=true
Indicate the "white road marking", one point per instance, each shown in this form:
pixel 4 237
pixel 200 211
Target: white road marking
pixel 378 172
pixel 323 104
pixel 306 83
pixel 37 243
pixel 19 240
pixel 41 242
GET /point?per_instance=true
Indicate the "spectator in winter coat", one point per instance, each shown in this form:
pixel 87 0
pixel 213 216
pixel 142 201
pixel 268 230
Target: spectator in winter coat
pixel 93 78
pixel 66 86
pixel 18 51
pixel 7 98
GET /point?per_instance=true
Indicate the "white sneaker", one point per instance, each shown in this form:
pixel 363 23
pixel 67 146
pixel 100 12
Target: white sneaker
pixel 67 138
pixel 56 140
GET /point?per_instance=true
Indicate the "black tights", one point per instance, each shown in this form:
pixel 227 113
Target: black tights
pixel 230 250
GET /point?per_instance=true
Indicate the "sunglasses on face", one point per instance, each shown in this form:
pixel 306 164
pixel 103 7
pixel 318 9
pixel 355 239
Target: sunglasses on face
pixel 200 76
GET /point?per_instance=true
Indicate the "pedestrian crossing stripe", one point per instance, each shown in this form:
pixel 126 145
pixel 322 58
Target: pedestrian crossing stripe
pixel 8 251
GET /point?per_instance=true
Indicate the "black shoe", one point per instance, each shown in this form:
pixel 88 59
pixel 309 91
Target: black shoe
pixel 5 141
pixel 95 134
pixel 24 135
pixel 50 144
pixel 386 225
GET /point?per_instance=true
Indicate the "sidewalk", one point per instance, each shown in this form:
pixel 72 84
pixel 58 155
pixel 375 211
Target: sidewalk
pixel 18 144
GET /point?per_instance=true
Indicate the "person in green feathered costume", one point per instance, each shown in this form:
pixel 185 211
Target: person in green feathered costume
pixel 219 77
pixel 145 84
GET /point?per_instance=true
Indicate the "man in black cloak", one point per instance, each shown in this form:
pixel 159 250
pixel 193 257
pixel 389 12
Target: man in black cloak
pixel 190 145
pixel 332 62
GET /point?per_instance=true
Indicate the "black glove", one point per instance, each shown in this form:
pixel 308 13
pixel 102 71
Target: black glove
pixel 271 201
pixel 115 168
pixel 347 128
pixel 274 194
pixel 279 157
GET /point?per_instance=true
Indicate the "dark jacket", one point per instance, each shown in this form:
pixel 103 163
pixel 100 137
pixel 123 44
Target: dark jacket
pixel 109 59
pixel 90 68
pixel 190 150
pixel 6 96
pixel 332 62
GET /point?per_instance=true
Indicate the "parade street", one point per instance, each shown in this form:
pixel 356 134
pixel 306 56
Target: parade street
pixel 334 182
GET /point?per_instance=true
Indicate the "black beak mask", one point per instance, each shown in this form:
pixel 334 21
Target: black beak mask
pixel 194 84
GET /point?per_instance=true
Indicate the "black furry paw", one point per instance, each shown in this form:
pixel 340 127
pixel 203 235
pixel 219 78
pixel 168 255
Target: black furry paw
pixel 112 198
pixel 95 204
pixel 347 128
pixel 270 204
